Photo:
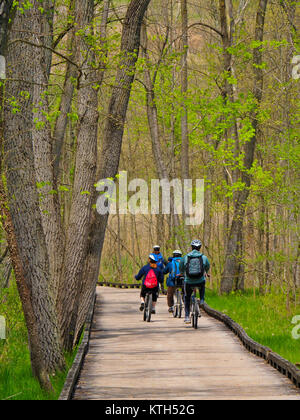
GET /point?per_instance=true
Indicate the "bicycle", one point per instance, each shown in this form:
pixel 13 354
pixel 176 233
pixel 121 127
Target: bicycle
pixel 195 313
pixel 178 306
pixel 148 307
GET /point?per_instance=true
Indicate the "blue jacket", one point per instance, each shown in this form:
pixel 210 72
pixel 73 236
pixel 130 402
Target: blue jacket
pixel 168 270
pixel 145 270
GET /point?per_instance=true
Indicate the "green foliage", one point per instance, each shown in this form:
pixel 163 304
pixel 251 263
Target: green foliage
pixel 16 379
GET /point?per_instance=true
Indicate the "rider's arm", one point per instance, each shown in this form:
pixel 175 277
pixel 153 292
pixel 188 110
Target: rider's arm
pixel 140 274
pixel 182 266
pixel 167 269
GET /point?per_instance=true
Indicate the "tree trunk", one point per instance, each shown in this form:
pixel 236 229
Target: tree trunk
pixel 184 88
pixel 72 73
pixel 86 294
pixel 113 135
pixel 232 262
pixel 39 369
pixel 24 229
pixel 153 123
pixel 85 173
pixel 43 144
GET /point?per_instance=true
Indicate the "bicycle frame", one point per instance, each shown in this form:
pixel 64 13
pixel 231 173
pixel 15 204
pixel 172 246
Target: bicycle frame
pixel 178 307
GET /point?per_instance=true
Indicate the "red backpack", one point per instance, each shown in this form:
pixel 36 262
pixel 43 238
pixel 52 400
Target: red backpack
pixel 151 280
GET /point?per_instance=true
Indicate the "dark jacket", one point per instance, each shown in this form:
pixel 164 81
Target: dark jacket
pixel 145 270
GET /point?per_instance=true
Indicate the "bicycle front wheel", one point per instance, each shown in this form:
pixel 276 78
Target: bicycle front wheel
pixel 192 310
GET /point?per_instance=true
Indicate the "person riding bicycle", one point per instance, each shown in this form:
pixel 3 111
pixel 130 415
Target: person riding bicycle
pixel 152 277
pixel 194 266
pixel 172 268
pixel 161 262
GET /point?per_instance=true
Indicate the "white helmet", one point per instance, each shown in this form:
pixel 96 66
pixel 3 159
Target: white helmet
pixel 177 252
pixel 196 243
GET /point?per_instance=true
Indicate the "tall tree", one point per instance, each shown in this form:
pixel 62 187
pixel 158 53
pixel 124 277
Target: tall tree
pixel 85 290
pixel 42 141
pixel 85 174
pixel 232 263
pixel 153 121
pixel 114 129
pixel 71 77
pixel 184 88
pixel 27 238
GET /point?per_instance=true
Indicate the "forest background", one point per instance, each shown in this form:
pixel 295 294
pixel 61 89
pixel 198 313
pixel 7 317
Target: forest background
pixel 160 89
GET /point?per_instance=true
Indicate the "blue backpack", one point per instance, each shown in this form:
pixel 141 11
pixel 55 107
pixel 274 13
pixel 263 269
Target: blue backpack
pixel 175 268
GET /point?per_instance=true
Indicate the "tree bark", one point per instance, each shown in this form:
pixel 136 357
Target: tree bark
pixel 36 354
pixel 72 73
pixel 43 143
pixel 84 180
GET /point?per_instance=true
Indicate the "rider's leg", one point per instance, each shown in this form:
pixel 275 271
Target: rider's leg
pixel 142 296
pixel 154 299
pixel 170 296
pixel 202 293
pixel 187 299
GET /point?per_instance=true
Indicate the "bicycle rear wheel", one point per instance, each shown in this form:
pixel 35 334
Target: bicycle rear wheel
pixel 149 307
pixel 175 312
pixel 195 315
pixel 145 309
pixel 180 304
pixel 192 309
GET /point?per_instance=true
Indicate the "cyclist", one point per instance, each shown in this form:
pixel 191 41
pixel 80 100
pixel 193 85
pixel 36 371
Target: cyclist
pixel 194 266
pixel 152 277
pixel 161 262
pixel 172 268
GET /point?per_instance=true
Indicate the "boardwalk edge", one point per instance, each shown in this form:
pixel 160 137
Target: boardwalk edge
pixel 74 372
pixel 285 367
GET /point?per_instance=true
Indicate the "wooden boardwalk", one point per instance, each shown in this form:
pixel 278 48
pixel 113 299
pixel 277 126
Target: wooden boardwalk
pixel 167 360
